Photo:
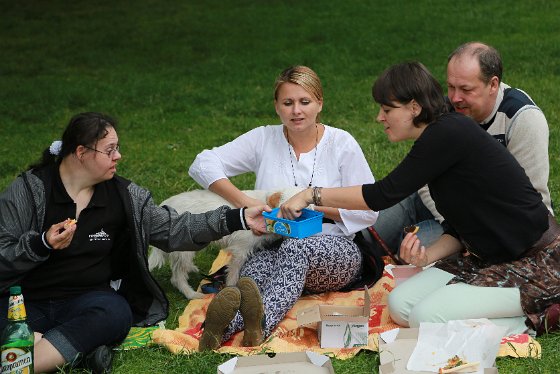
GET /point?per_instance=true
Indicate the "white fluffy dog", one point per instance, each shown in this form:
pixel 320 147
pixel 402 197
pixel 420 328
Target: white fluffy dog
pixel 240 243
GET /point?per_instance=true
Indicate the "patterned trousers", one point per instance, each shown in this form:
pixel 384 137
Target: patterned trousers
pixel 315 264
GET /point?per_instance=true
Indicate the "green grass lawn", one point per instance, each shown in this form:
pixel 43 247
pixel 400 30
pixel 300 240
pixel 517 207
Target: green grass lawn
pixel 182 76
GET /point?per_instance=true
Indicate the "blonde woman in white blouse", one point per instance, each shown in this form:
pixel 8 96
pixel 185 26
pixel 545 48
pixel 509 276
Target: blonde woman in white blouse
pixel 300 152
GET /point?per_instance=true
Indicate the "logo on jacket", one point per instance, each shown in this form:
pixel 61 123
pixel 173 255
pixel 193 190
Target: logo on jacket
pixel 98 236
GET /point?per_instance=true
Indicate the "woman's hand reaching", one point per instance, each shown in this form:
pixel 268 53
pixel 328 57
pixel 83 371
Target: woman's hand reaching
pixel 250 202
pixel 291 209
pixel 255 220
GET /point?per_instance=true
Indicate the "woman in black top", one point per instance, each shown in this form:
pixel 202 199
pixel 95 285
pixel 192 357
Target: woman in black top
pixel 493 215
pixel 86 283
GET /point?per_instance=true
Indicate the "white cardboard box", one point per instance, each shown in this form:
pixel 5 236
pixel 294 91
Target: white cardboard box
pixel 394 356
pixel 339 326
pixel 279 363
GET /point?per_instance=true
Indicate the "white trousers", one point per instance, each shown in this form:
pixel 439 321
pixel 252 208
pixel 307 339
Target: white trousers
pixel 426 297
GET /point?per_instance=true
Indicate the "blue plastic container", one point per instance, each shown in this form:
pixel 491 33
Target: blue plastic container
pixel 310 222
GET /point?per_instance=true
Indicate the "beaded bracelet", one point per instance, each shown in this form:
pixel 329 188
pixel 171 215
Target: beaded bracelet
pixel 316 195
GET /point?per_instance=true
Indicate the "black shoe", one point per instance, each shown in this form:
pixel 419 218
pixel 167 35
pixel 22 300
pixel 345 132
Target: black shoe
pixel 99 360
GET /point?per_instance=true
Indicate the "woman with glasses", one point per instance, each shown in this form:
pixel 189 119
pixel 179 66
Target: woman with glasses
pixel 75 237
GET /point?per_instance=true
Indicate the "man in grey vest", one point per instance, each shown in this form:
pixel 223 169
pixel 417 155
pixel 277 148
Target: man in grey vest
pixel 475 88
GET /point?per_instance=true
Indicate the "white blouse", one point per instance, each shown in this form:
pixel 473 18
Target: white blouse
pixel 339 162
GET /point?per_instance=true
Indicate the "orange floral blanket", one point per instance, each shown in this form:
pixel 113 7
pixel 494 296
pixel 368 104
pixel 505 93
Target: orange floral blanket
pixel 288 337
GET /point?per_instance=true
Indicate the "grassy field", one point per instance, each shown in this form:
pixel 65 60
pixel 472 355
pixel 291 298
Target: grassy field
pixel 182 76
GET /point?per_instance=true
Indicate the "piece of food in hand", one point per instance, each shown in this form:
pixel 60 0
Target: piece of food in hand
pixel 413 229
pixel 69 223
pixel 457 365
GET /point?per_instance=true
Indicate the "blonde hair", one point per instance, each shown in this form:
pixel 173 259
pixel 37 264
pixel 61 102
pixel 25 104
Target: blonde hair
pixel 302 76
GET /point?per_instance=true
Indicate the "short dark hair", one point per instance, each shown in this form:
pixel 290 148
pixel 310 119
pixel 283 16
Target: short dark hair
pixel 409 81
pixel 488 57
pixel 83 129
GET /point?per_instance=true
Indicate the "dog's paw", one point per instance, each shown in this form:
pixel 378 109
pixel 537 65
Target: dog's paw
pixel 193 295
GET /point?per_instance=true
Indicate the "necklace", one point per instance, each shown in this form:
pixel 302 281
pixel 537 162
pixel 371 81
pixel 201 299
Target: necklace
pixel 314 155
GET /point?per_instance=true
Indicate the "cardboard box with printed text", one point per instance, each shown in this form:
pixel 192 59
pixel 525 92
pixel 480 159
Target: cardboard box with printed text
pixel 339 326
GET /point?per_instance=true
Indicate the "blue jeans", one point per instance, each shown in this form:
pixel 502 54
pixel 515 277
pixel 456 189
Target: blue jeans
pixel 410 211
pixel 78 325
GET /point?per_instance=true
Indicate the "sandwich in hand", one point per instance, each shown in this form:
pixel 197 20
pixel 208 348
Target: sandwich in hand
pixel 411 229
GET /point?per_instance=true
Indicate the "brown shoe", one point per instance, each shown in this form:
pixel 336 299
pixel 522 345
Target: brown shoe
pixel 221 311
pixel 252 310
pixel 551 321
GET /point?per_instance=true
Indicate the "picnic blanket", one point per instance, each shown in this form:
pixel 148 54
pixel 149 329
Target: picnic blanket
pixel 137 337
pixel 288 337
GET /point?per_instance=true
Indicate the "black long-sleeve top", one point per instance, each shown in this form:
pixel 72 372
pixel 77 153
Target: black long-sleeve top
pixel 478 186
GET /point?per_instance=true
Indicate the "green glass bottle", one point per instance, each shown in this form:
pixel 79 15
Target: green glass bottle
pixel 17 338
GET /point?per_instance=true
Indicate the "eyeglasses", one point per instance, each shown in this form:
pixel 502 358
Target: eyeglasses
pixel 109 153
